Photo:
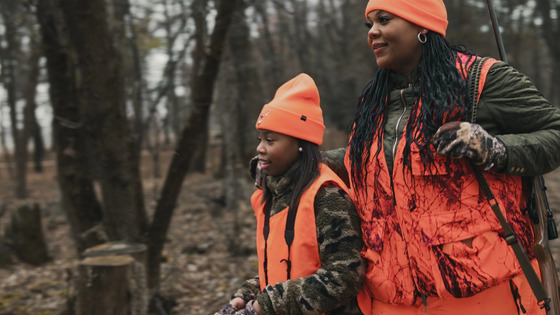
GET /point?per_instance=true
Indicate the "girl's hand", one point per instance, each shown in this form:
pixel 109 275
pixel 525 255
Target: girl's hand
pixel 238 303
pixel 257 308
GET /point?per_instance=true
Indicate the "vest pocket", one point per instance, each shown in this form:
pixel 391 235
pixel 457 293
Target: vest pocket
pixel 465 270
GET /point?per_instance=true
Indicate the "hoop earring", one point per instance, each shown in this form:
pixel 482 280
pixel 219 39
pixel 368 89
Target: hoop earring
pixel 300 149
pixel 422 38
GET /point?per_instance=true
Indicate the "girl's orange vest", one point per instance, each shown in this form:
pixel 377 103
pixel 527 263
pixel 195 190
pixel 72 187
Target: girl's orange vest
pixel 415 219
pixel 304 251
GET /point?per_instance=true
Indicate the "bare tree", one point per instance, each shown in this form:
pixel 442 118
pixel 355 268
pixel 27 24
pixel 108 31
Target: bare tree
pixel 13 64
pixel 197 124
pixel 74 178
pixel 101 94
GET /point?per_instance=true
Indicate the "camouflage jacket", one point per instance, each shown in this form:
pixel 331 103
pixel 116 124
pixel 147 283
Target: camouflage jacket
pixel 332 288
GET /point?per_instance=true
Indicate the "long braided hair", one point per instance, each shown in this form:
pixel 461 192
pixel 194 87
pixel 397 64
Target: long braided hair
pixel 442 93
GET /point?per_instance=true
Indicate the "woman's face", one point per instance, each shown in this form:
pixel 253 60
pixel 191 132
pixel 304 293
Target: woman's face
pixel 394 41
pixel 277 152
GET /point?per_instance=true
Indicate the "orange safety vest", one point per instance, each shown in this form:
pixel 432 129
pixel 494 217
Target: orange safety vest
pixel 304 251
pixel 415 219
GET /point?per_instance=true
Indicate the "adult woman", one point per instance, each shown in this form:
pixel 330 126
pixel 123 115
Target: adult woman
pixel 308 231
pixel 432 243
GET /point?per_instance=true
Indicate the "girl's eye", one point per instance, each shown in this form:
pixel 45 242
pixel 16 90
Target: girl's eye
pixel 368 25
pixel 383 19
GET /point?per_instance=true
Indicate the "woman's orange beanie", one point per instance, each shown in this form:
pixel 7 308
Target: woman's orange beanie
pixel 295 111
pixel 430 14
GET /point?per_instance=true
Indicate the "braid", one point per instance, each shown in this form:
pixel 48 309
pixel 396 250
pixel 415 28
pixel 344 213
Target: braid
pixel 443 91
pixel 368 124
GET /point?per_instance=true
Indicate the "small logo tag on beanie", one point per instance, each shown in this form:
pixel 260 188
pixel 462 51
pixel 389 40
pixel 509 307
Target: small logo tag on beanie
pixel 303 118
pixel 263 116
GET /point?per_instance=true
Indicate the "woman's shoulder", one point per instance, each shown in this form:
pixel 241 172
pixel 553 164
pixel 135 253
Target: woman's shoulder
pixel 504 78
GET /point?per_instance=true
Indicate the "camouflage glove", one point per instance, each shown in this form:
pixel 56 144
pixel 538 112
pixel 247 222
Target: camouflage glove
pixel 248 310
pixel 463 139
pixel 226 309
pixel 256 172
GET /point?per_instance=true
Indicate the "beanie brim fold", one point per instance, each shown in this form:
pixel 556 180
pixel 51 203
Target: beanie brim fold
pixel 291 124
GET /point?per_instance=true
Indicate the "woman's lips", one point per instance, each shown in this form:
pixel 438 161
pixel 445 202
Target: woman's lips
pixel 377 47
pixel 263 164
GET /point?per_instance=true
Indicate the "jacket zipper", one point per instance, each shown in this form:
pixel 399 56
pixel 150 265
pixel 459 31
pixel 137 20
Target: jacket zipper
pixel 397 127
pixel 394 151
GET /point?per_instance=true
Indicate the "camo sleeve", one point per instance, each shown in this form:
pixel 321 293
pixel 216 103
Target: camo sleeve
pixel 332 288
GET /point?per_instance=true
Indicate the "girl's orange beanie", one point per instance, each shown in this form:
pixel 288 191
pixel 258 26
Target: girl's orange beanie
pixel 429 14
pixel 295 111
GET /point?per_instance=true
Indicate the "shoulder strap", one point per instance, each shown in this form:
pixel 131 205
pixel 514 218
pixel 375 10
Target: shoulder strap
pixel 509 234
pixel 477 78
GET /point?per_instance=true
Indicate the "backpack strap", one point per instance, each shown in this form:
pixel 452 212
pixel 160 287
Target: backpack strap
pixel 478 71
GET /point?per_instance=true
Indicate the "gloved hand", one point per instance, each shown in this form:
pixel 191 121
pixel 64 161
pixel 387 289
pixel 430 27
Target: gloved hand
pixel 226 309
pixel 463 139
pixel 256 172
pixel 248 310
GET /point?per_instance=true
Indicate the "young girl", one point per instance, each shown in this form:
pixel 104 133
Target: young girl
pixel 308 231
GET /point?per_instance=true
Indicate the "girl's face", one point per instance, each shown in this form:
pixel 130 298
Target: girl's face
pixel 277 152
pixel 394 41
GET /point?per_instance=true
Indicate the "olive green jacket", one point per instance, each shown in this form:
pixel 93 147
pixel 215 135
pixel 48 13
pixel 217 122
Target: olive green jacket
pixel 510 108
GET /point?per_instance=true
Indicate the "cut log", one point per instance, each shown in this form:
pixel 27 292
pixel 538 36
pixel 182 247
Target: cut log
pixel 119 268
pixel 103 285
pixel 24 234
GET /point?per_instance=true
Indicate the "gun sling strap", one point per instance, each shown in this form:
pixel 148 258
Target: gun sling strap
pixel 509 234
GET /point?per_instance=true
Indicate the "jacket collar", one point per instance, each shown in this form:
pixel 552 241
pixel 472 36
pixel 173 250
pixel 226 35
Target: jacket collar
pixel 400 81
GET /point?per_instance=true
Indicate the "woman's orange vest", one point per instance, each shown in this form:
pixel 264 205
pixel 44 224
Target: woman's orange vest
pixel 304 251
pixel 414 222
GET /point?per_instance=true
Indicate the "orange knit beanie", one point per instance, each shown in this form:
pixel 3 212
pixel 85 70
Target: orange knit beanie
pixel 295 111
pixel 429 14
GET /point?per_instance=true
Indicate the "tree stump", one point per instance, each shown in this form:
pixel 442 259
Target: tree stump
pixel 135 250
pixel 6 254
pixel 112 280
pixel 24 233
pixel 103 285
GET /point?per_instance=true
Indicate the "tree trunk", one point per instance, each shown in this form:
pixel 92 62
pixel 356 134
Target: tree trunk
pixel 202 91
pixel 551 32
pixel 10 54
pixel 38 145
pixel 28 120
pixel 199 12
pixel 101 94
pixel 240 48
pixel 7 156
pixel 272 69
pixel 78 197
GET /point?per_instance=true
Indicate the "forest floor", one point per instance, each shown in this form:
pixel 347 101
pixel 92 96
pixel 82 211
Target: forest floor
pixel 200 270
